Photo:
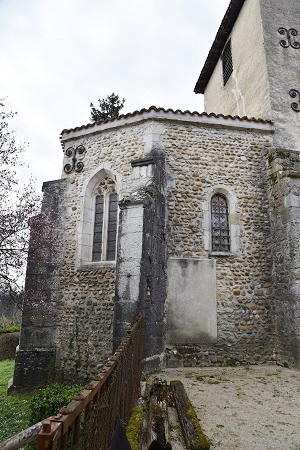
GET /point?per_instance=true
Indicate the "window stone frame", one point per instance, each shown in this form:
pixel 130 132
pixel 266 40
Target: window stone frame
pixel 86 225
pixel 233 219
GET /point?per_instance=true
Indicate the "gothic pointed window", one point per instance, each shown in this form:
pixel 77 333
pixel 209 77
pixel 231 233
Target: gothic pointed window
pixel 220 233
pixel 106 221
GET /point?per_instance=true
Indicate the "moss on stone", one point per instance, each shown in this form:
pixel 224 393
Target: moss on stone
pixel 134 426
pixel 156 410
pixel 201 442
pixel 197 439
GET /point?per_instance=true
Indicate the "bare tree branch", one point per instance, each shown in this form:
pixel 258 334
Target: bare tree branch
pixel 18 204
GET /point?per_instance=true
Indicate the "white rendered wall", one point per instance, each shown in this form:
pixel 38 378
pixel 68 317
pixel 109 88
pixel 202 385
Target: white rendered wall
pixel 191 298
pixel 246 92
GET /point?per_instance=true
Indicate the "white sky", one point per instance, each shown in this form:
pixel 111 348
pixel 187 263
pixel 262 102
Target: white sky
pixel 57 56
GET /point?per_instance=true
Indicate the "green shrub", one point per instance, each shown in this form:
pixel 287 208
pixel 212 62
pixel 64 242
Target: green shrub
pixel 10 329
pixel 47 402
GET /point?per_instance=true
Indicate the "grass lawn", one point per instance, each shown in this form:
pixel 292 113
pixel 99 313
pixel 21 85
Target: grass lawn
pixel 14 410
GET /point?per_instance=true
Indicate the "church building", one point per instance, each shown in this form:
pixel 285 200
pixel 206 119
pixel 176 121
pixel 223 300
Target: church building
pixel 191 219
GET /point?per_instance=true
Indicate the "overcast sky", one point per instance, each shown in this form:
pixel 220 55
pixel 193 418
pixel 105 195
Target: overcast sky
pixel 57 56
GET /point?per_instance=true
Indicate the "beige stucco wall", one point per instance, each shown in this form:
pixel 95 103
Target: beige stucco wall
pixel 246 92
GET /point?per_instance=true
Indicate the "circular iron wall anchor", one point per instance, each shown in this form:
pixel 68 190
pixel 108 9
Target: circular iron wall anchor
pixel 80 149
pixel 79 166
pixel 69 152
pixel 75 165
pixel 68 168
pixel 295 106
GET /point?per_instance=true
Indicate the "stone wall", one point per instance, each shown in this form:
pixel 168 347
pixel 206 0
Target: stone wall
pixel 166 166
pixel 36 355
pixel 284 176
pixel 85 332
pixel 67 330
pixel 199 156
pixel 153 268
pixel 283 68
pixel 198 159
pixel 141 280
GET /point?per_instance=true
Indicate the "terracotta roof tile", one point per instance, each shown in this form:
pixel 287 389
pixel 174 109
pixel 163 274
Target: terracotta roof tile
pixel 162 110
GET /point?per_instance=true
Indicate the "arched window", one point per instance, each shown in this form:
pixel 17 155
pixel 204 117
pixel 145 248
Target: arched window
pixel 220 232
pixel 106 221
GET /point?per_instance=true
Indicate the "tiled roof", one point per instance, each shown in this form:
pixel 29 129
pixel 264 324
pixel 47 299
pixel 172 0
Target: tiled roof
pixel 222 35
pixel 164 111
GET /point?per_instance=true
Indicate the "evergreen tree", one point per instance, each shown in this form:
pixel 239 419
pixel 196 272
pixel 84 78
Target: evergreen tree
pixel 108 107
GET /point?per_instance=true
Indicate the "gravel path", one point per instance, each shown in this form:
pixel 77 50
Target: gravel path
pixel 252 407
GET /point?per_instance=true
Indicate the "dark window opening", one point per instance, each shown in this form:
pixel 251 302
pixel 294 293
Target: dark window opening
pixel 98 228
pixel 112 227
pixel 227 62
pixel 105 227
pixel 220 235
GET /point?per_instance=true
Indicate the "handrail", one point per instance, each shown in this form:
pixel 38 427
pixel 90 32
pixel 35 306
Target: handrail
pixel 24 437
pixel 91 414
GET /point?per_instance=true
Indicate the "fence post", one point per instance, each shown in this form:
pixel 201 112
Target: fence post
pixel 45 436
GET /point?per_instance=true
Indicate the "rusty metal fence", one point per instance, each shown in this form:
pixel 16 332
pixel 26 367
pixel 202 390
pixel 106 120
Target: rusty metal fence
pixel 87 422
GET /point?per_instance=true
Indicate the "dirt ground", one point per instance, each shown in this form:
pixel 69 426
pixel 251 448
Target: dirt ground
pixel 251 407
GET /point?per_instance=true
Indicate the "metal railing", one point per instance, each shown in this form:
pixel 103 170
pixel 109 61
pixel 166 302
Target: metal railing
pixel 87 422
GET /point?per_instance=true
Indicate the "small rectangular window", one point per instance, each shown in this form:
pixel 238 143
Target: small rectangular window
pixel 227 62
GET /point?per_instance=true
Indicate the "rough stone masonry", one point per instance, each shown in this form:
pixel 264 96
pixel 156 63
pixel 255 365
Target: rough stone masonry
pixel 203 304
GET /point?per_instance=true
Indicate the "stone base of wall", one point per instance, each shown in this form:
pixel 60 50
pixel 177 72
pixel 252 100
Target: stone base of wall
pixel 204 356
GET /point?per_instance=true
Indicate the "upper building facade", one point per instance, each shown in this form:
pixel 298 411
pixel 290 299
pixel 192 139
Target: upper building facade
pixel 191 219
pixel 252 68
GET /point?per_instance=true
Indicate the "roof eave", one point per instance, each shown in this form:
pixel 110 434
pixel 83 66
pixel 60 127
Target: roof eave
pixel 154 113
